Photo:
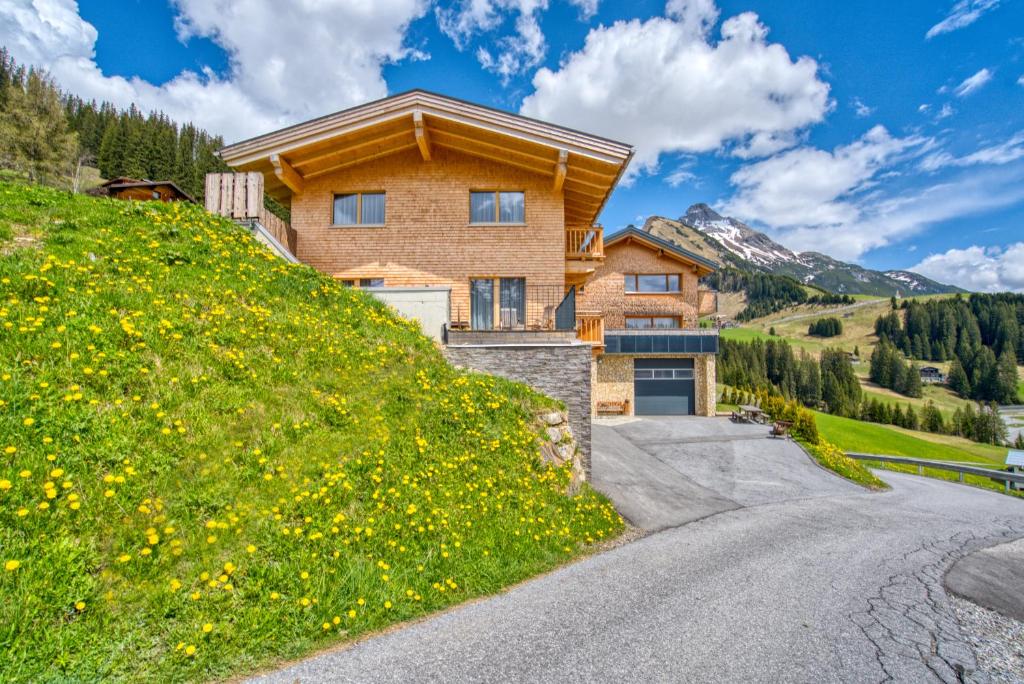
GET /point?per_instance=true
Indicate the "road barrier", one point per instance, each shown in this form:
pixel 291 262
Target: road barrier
pixel 1009 480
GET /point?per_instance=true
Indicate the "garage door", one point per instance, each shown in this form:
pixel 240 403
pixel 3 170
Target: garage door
pixel 664 387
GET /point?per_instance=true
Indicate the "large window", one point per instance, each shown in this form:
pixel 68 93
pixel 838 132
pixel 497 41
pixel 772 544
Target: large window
pixel 359 208
pixel 511 300
pixel 652 283
pixel 651 322
pixel 497 207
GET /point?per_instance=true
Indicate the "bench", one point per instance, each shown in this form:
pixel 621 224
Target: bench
pixel 781 428
pixel 620 408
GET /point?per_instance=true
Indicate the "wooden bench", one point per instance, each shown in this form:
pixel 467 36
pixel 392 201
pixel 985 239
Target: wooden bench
pixel 781 428
pixel 620 408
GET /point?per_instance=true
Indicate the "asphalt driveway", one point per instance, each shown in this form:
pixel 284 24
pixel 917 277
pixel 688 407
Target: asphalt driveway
pixel 805 579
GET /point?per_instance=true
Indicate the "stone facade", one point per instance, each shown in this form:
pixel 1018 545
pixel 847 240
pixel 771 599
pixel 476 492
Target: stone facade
pixel 613 380
pixel 427 238
pixel 605 290
pixel 560 371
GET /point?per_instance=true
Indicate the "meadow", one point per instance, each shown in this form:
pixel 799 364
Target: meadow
pixel 213 460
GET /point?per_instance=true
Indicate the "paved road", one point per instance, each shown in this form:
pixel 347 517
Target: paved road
pixel 803 586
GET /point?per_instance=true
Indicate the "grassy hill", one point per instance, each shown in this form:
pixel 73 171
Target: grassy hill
pixel 213 460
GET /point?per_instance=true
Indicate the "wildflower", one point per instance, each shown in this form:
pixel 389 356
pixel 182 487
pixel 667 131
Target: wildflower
pixel 79 606
pixel 12 565
pixel 190 650
pixel 207 628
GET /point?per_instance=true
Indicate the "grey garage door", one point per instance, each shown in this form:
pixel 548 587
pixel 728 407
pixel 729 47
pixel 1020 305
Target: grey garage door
pixel 664 387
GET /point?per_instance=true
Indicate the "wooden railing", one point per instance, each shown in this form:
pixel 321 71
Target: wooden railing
pixel 590 328
pixel 584 243
pixel 239 196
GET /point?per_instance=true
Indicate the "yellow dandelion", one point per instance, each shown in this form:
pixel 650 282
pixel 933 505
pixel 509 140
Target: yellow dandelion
pixel 207 628
pixel 12 565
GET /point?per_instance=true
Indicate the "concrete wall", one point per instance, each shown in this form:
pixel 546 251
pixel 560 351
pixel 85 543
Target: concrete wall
pixel 560 371
pixel 431 306
pixel 613 380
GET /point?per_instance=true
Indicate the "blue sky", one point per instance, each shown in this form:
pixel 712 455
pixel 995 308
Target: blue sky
pixel 891 134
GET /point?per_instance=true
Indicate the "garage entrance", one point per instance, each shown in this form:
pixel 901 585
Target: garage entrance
pixel 664 387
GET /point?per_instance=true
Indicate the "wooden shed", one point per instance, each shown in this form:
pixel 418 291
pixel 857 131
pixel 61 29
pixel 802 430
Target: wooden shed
pixel 143 190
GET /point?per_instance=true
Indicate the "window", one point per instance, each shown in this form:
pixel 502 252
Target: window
pixel 652 283
pixel 371 282
pixel 359 208
pixel 348 283
pixel 511 301
pixel 651 322
pixel 481 304
pixel 497 207
pixel 663 374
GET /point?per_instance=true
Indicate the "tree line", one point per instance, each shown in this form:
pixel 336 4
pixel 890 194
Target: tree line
pixel 48 135
pixel 980 335
pixel 831 386
pixel 829 326
pixel 890 369
pixel 767 292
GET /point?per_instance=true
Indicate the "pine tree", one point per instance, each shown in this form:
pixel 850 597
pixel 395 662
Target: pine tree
pixel 1019 442
pixel 957 379
pixel 912 382
pixel 33 126
pixel 1006 378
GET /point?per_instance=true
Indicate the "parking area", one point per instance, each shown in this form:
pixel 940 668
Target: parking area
pixel 666 471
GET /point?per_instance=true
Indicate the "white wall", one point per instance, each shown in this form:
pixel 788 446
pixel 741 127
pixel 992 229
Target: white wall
pixel 431 306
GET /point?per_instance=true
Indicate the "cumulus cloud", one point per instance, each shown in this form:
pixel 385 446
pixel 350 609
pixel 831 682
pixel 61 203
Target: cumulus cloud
pixel 587 8
pixel 666 86
pixel 509 55
pixel 964 13
pixel 271 81
pixel 808 186
pixel 973 83
pixel 1020 81
pixel 980 269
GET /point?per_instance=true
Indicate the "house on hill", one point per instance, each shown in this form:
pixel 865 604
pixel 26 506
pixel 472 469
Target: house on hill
pixel 932 375
pixel 482 224
pixel 143 190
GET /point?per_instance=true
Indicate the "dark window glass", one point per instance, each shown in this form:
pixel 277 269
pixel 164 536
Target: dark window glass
pixel 373 208
pixel 371 282
pixel 638 323
pixel 512 207
pixel 652 283
pixel 481 207
pixel 481 304
pixel 631 283
pixel 348 283
pixel 673 282
pixel 666 322
pixel 513 302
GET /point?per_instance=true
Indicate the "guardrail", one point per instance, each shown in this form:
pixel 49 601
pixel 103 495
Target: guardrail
pixel 999 475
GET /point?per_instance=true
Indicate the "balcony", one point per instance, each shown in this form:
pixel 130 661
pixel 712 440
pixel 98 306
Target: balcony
pixel 536 314
pixel 584 248
pixel 661 341
pixel 590 329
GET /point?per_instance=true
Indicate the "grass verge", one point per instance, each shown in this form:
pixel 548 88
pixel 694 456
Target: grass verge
pixel 211 460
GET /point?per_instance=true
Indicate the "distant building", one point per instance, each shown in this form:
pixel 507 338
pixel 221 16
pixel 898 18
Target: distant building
pixel 1015 464
pixel 144 190
pixel 932 375
pixel 853 358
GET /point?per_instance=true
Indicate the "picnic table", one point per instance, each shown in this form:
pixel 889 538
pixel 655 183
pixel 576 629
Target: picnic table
pixel 750 414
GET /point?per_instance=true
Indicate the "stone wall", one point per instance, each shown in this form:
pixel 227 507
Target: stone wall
pixel 560 371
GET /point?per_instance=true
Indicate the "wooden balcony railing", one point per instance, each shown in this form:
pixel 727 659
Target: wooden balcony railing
pixel 590 328
pixel 584 243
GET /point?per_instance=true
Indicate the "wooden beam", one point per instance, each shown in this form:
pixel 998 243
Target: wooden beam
pixel 284 171
pixel 422 139
pixel 366 158
pixel 560 168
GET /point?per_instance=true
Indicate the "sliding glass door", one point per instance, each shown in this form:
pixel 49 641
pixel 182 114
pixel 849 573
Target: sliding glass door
pixel 481 304
pixel 513 303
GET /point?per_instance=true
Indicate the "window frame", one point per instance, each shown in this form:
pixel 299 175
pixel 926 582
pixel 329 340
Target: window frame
pixel 497 207
pixel 359 209
pixel 650 318
pixel 636 283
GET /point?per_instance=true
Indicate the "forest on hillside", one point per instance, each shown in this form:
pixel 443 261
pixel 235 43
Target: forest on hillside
pixel 980 335
pixel 50 136
pixel 767 293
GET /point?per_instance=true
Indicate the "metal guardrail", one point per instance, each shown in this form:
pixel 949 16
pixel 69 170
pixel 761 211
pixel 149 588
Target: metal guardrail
pixel 998 475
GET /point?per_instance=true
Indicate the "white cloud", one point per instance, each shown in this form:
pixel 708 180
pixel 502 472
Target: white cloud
pixel 680 176
pixel 587 8
pixel 964 13
pixel 666 86
pixel 980 269
pixel 1005 152
pixel 861 109
pixel 1020 81
pixel 973 83
pixel 288 61
pixel 813 187
pixel 509 55
pixel 946 112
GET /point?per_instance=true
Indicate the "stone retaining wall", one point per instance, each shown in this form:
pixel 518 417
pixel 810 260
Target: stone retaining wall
pixel 561 371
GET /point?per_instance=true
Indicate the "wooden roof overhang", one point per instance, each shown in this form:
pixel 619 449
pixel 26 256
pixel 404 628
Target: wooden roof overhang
pixel 700 265
pixel 584 167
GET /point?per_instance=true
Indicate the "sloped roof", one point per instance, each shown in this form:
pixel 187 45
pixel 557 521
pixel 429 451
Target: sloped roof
pixel 656 243
pixel 585 167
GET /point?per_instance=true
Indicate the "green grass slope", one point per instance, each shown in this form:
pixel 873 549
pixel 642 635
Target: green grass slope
pixel 211 460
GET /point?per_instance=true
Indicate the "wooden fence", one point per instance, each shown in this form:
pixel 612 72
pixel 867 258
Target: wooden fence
pixel 239 196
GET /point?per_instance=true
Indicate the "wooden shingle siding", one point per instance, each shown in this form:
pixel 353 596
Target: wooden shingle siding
pixel 427 238
pixel 605 291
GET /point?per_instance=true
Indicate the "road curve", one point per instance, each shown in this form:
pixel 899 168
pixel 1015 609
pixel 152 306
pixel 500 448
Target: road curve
pixel 845 587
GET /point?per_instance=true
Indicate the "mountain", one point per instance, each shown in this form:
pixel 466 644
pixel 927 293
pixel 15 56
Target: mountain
pixel 734 243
